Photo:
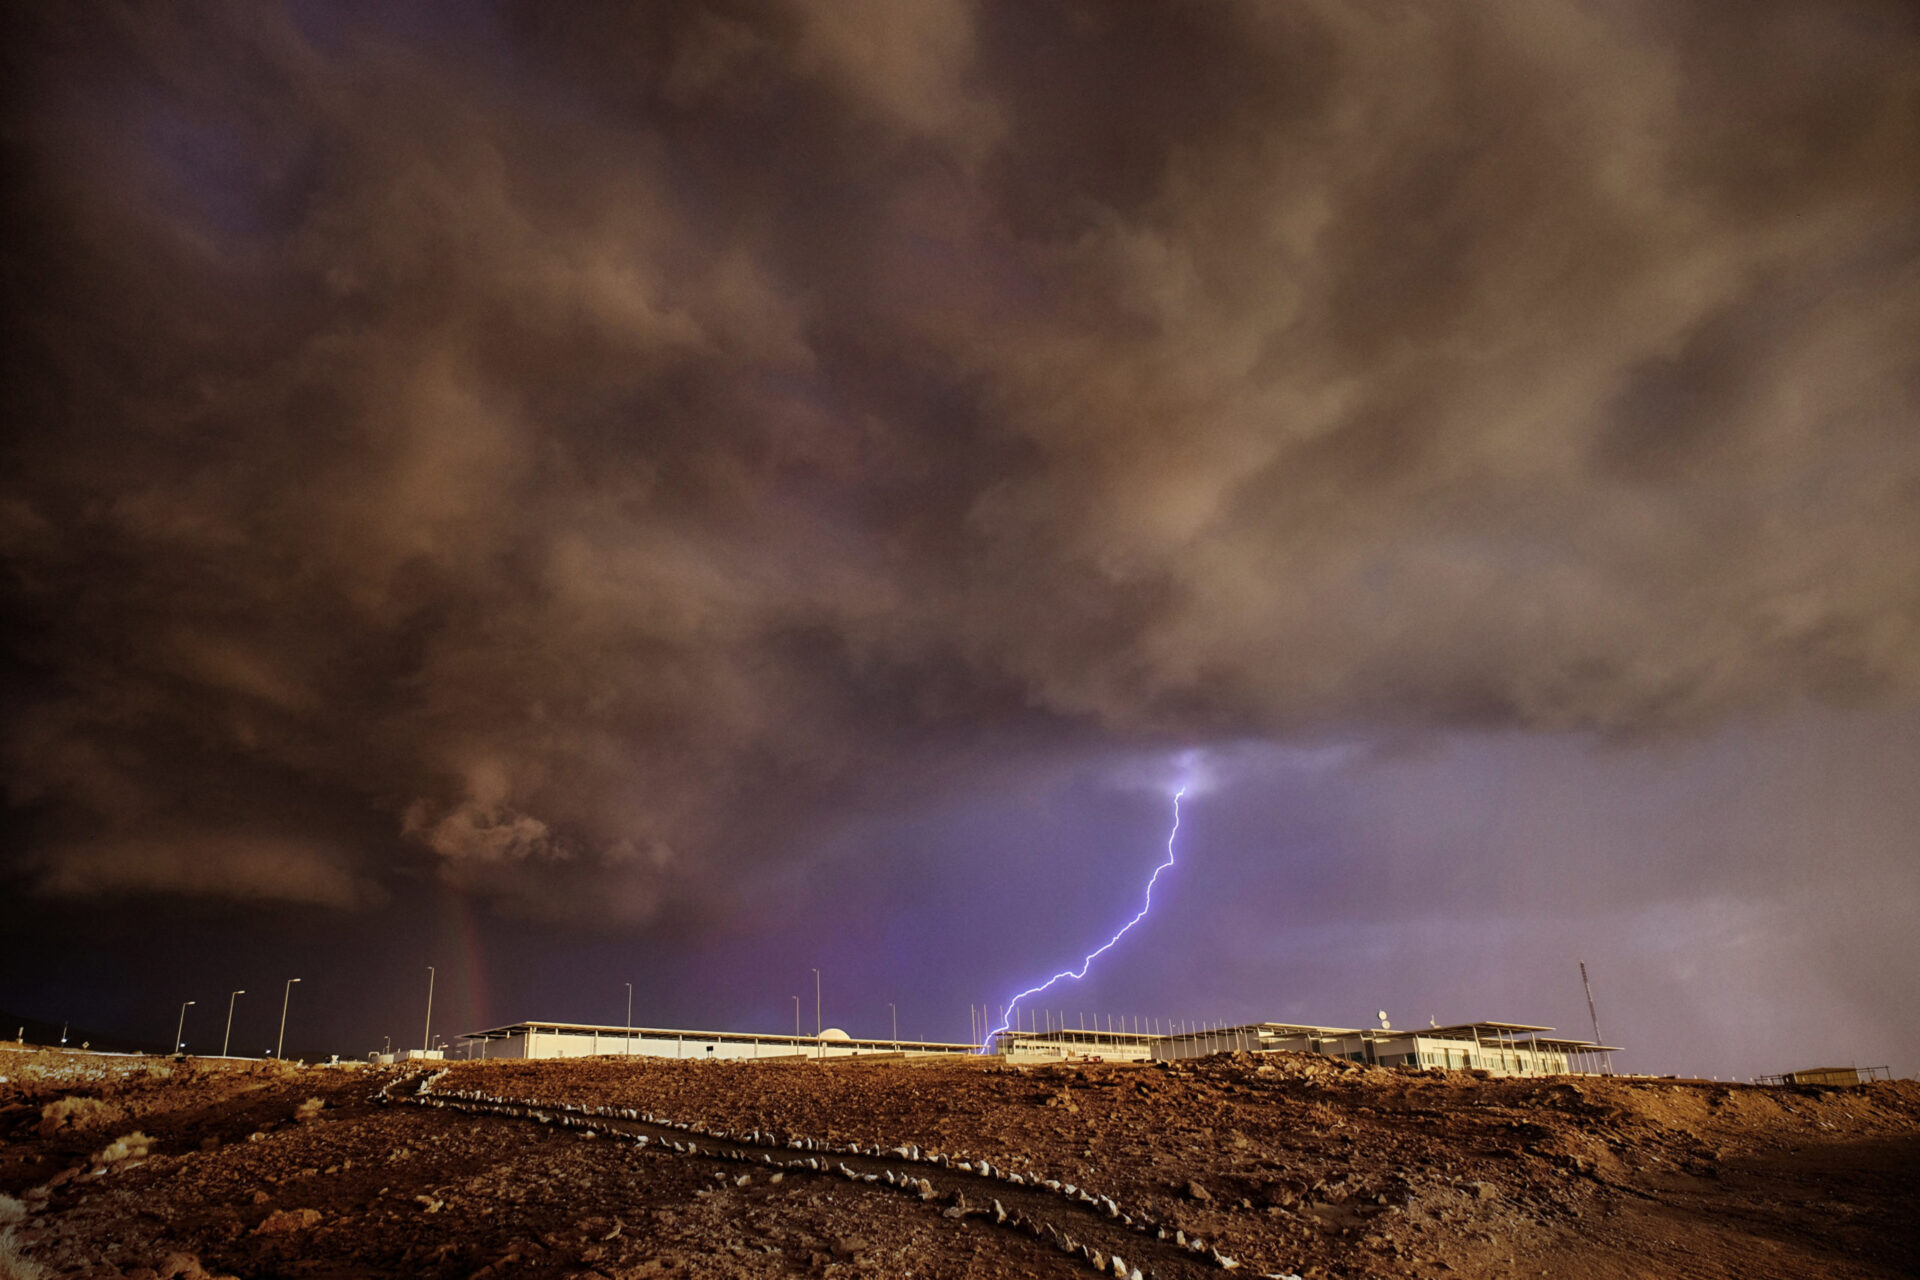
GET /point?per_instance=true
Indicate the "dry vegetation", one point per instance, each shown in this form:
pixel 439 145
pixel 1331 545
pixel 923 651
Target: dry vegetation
pixel 76 1113
pixel 1288 1165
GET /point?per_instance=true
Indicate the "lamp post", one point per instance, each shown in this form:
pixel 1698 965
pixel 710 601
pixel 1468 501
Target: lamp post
pixel 817 1024
pixel 180 1030
pixel 896 1025
pixel 796 1017
pixel 280 1045
pixel 629 1019
pixel 228 1038
pixel 426 1038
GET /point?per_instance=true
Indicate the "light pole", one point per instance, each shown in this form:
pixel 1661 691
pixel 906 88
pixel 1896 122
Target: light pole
pixel 896 1025
pixel 796 1017
pixel 180 1030
pixel 228 1038
pixel 819 1045
pixel 280 1045
pixel 426 1038
pixel 629 1019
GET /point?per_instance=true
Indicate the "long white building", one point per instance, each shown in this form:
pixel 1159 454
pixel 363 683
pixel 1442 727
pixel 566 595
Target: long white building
pixel 584 1040
pixel 1502 1048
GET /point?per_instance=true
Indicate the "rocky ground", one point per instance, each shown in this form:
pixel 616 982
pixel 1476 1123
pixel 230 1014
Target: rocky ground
pixel 1277 1164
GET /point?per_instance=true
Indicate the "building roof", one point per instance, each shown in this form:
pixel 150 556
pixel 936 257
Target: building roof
pixel 1560 1044
pixel 1077 1035
pixel 1270 1028
pixel 1514 1034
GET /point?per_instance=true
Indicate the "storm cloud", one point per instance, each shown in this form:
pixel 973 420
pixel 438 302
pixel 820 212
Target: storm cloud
pixel 580 453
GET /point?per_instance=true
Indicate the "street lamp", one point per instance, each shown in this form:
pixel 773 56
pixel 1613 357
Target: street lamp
pixel 896 1025
pixel 817 1024
pixel 228 1038
pixel 796 1017
pixel 426 1039
pixel 280 1049
pixel 629 1019
pixel 180 1030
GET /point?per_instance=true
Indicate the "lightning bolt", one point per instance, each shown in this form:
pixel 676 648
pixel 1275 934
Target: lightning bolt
pixel 986 1046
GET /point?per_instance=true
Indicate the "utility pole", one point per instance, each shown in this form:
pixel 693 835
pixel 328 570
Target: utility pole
pixel 629 1019
pixel 426 1039
pixel 181 1030
pixel 817 1024
pixel 226 1039
pixel 896 1025
pixel 280 1045
pixel 796 1017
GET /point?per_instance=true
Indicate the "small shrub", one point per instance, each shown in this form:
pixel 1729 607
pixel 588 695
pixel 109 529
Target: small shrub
pixel 76 1113
pixel 14 1265
pixel 133 1146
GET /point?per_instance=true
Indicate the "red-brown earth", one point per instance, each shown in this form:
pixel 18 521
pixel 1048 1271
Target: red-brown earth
pixel 1287 1164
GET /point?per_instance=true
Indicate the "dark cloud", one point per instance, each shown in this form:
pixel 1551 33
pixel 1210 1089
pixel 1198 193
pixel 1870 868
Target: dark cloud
pixel 584 452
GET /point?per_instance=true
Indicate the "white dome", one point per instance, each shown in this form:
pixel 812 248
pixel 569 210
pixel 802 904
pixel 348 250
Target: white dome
pixel 834 1033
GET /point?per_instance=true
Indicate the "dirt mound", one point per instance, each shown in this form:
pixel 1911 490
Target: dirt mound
pixel 1283 1164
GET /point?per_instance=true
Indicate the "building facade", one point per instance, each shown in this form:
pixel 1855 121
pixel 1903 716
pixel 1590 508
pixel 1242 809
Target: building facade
pixel 1501 1048
pixel 582 1040
pixel 1068 1046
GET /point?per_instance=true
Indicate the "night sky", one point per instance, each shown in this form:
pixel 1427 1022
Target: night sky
pixel 689 494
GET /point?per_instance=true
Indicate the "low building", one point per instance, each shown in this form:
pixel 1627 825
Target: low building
pixel 1065 1045
pixel 1253 1037
pixel 1502 1048
pixel 584 1040
pixel 1828 1076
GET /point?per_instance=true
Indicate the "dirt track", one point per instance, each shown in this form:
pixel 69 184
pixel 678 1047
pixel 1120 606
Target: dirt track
pixel 1285 1164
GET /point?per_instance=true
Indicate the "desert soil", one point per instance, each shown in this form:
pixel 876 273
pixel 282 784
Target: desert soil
pixel 1285 1164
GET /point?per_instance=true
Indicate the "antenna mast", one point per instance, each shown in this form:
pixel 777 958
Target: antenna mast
pixel 1591 1015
